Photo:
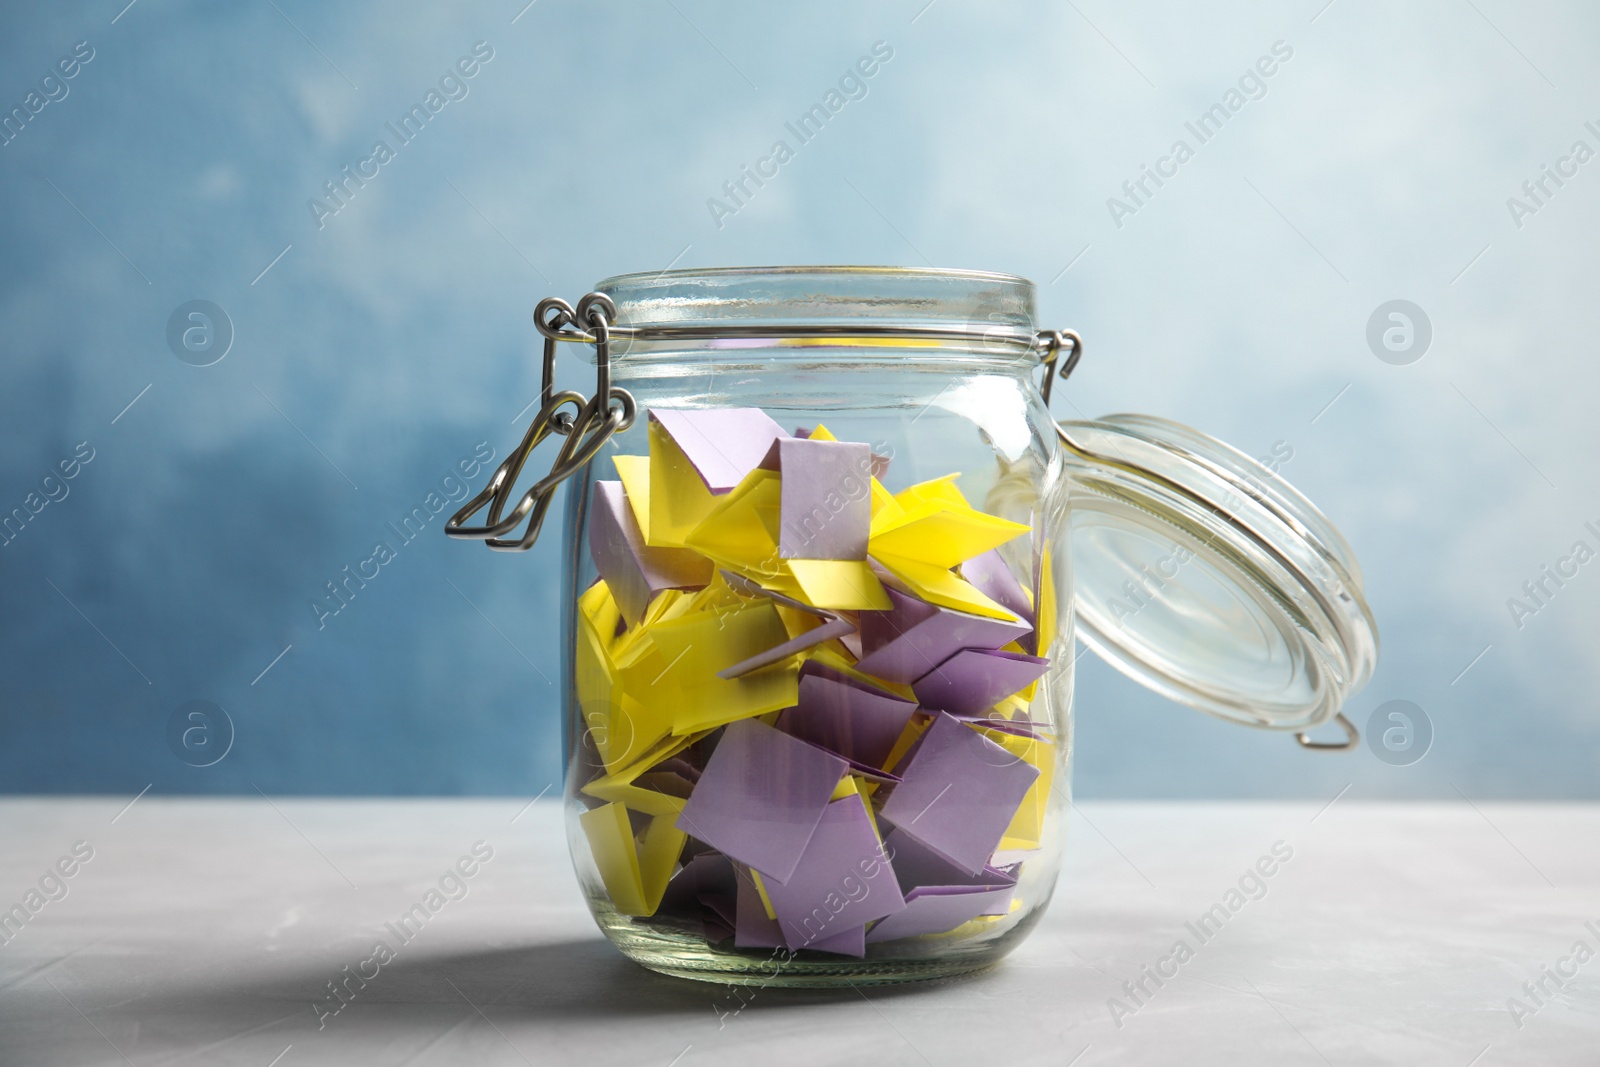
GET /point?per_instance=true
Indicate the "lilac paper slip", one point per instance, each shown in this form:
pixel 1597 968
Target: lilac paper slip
pixel 916 866
pixel 973 680
pixel 937 909
pixel 761 796
pixel 843 881
pixel 846 716
pixel 754 930
pixel 907 642
pixel 826 498
pixel 958 794
pixel 989 574
pixel 633 571
pixel 723 444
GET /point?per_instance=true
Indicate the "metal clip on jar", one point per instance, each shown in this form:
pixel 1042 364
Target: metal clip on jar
pixel 821 606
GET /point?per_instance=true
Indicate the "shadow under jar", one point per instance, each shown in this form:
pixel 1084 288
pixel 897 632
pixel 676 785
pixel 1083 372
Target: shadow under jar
pixel 824 573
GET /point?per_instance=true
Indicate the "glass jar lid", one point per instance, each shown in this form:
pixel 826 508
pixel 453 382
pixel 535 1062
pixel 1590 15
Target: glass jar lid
pixel 1201 574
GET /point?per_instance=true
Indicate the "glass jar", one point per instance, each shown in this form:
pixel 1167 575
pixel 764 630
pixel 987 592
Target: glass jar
pixel 827 554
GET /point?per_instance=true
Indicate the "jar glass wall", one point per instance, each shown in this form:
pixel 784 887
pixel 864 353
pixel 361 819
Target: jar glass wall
pixel 882 798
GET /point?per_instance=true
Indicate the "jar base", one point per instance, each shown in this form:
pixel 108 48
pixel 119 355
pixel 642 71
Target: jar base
pixel 681 954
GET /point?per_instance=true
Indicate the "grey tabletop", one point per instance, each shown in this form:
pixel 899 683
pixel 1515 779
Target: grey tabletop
pixel 208 931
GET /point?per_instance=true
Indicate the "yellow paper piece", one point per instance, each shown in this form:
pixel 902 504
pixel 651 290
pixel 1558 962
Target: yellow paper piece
pixel 1027 825
pixel 884 503
pixel 635 878
pixel 634 471
pixel 938 489
pixel 676 681
pixel 845 788
pixel 839 584
pixel 1045 615
pixel 740 531
pixel 620 785
pixel 821 433
pixel 936 531
pixel 616 857
pixel 679 498
pixel 938 585
pixel 761 891
pixel 663 844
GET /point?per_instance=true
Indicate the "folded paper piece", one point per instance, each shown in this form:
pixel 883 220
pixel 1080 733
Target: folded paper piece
pixel 916 866
pixel 909 641
pixel 761 797
pixel 634 471
pixel 633 571
pixel 1027 825
pixel 827 501
pixel 722 444
pixel 844 879
pixel 989 575
pixel 635 875
pixel 782 663
pixel 846 716
pixel 958 793
pixel 940 909
pixel 974 680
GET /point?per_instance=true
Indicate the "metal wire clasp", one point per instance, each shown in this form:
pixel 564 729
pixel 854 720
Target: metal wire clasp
pixel 587 427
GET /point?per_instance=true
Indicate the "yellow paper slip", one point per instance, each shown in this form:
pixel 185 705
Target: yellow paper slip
pixel 635 878
pixel 839 584
pixel 937 585
pixel 679 498
pixel 676 681
pixel 933 531
pixel 620 785
pixel 743 526
pixel 634 471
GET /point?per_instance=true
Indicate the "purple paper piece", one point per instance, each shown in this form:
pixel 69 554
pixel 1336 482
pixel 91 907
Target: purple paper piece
pixel 974 680
pixel 753 929
pixel 907 642
pixel 938 909
pixel 1018 727
pixel 723 444
pixel 724 906
pixel 833 625
pixel 633 571
pixel 959 793
pixel 846 716
pixel 989 574
pixel 825 499
pixel 761 797
pixel 844 880
pixel 916 866
pixel 851 942
pixel 708 874
pixel 715 931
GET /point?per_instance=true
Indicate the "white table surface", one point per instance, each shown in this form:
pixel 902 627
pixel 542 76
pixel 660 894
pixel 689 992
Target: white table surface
pixel 202 931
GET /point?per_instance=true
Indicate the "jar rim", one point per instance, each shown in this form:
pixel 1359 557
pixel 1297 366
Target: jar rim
pixel 634 277
pixel 807 306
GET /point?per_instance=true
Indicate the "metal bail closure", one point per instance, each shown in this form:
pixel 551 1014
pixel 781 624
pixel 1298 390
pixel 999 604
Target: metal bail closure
pixel 1200 573
pixel 586 428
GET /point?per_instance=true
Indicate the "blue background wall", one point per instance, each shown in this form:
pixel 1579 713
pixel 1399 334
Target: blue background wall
pixel 385 343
